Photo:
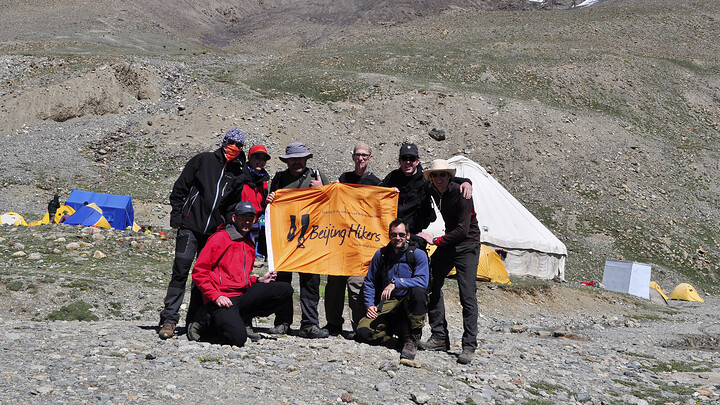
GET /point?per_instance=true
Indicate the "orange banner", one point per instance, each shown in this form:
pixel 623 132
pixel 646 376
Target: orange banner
pixel 334 229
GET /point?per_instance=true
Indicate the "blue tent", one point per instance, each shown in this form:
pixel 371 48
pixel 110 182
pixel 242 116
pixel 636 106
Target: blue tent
pixel 117 209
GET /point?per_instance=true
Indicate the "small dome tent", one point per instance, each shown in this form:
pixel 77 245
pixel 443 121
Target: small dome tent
pixel 12 218
pixel 686 292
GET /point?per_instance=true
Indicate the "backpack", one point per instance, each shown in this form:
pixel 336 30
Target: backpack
pixel 386 264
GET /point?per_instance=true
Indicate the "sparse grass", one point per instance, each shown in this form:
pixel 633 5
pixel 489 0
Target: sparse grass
pixel 15 285
pixel 77 311
pixel 81 284
pixel 546 386
pixel 625 383
pixel 662 366
pixel 647 317
pixel 115 308
pixel 640 355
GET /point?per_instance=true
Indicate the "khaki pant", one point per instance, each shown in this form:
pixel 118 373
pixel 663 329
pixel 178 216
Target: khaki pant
pixel 395 316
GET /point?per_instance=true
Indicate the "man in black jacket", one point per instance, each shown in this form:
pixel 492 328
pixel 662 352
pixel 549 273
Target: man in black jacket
pixel 414 206
pixel 459 247
pixel 207 188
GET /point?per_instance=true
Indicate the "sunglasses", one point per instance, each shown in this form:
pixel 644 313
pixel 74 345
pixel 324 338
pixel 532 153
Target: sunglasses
pixel 261 157
pixel 396 234
pixel 438 174
pixel 362 155
pixel 231 142
pixel 408 158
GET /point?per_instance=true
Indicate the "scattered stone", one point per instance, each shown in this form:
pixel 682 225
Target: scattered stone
pixel 561 332
pixel 420 397
pixel 410 363
pixel 437 134
pixel 42 390
pixel 518 328
pixel 99 255
pixel 19 254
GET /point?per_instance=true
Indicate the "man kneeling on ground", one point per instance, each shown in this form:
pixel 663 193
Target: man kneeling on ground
pixel 230 293
pixel 395 291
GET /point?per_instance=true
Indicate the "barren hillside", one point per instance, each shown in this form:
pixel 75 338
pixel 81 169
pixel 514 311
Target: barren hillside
pixel 602 120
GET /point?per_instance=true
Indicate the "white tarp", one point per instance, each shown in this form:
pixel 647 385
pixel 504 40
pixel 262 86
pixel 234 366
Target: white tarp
pixel 505 223
pixel 628 277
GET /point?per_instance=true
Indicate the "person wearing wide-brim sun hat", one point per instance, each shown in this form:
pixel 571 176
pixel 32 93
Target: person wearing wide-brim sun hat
pixel 298 175
pixel 459 247
pixel 437 166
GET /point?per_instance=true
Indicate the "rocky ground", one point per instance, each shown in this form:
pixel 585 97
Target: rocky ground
pixel 541 342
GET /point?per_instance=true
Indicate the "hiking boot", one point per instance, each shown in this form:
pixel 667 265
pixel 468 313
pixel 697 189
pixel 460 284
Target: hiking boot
pixel 436 344
pixel 466 356
pixel 410 348
pixel 251 334
pixel 167 331
pixel 313 332
pixel 281 329
pixel 333 330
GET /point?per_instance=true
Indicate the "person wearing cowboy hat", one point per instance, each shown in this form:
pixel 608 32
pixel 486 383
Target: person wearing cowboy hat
pixel 414 206
pixel 207 187
pixel 298 175
pixel 459 247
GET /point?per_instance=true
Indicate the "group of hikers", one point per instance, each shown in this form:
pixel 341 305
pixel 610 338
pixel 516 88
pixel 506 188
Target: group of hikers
pixel 217 201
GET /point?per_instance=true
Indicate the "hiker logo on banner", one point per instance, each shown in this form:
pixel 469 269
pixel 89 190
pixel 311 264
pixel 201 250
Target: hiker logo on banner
pixel 334 229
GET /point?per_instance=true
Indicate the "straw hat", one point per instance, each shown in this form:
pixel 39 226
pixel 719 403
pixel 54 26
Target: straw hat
pixel 439 165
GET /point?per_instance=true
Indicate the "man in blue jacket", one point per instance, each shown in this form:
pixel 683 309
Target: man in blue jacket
pixel 208 187
pixel 395 291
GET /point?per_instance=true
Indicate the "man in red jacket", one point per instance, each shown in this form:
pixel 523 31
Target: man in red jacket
pixel 230 293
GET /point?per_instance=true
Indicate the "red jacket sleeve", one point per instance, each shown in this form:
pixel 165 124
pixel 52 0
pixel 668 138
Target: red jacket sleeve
pixel 208 258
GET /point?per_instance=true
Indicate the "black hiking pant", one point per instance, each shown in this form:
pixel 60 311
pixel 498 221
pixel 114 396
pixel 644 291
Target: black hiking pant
pixel 261 299
pixel 465 260
pixel 188 245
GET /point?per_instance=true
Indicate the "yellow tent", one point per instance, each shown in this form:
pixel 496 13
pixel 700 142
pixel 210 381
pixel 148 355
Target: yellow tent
pixel 64 209
pixel 12 218
pixel 490 267
pixel 686 292
pixel 656 286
